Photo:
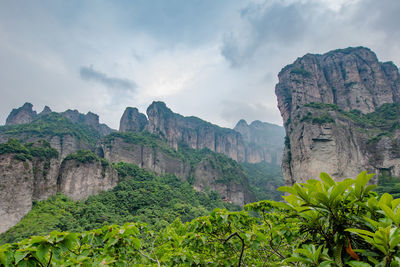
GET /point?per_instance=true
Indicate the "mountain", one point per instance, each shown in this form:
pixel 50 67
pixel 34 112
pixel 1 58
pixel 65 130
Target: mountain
pixel 45 154
pixel 33 171
pixel 257 142
pixel 341 115
pixel 263 141
pixel 139 196
pixel 26 114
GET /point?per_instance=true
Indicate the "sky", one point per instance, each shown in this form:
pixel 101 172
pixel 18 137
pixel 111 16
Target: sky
pixel 214 59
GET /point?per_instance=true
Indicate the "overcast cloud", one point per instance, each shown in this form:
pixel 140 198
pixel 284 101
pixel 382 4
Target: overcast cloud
pixel 217 60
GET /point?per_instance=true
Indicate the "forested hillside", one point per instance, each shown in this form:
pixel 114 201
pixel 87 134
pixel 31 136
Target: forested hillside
pixel 322 223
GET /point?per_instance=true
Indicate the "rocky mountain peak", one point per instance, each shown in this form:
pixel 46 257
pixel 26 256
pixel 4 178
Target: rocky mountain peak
pixel 243 128
pixel 46 110
pixel 324 101
pixel 263 141
pixel 132 121
pixel 158 109
pixel 24 114
pixel 350 78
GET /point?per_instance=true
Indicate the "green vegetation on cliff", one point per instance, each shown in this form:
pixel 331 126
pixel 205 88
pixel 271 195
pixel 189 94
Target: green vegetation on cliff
pixel 385 118
pixel 50 125
pixel 140 196
pixel 144 139
pixel 264 179
pixel 41 150
pixel 230 169
pixel 388 184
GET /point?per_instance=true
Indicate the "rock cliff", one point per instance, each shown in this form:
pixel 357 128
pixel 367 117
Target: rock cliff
pixel 79 180
pixel 90 119
pixel 24 180
pixel 16 190
pixel 21 115
pixel 132 121
pixel 153 154
pixel 263 141
pixel 25 114
pixel 193 132
pixel 334 107
pixel 257 142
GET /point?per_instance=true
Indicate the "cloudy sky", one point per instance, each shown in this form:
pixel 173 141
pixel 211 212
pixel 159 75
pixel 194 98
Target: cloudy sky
pixel 215 59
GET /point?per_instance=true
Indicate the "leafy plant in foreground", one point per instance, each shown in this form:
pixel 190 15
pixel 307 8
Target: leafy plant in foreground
pixel 348 219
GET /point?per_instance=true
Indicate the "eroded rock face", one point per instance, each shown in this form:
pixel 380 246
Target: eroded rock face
pixel 80 180
pixel 65 144
pixel 90 119
pixel 148 158
pixel 16 187
pixel 351 78
pixel 326 139
pixel 193 132
pixel 207 177
pixel 204 174
pixel 26 114
pixel 22 182
pixel 45 175
pixel 21 115
pixel 263 141
pixel 132 121
pixel 46 110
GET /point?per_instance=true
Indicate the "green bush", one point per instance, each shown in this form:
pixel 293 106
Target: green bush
pixel 41 150
pixel 83 156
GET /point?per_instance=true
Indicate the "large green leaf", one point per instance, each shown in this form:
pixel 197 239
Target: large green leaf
pixel 340 188
pixel 327 179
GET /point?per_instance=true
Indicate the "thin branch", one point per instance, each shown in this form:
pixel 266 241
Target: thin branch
pixel 148 257
pixel 51 256
pixel 241 239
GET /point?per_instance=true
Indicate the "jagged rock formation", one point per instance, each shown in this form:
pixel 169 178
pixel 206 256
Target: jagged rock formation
pixel 263 141
pixel 89 119
pixel 80 180
pixel 24 114
pixel 153 155
pixel 162 144
pixel 252 143
pixel 132 121
pixel 77 131
pixel 328 137
pixel 23 182
pixel 16 188
pixel 194 132
pixel 207 177
pixel 152 158
pixel 46 110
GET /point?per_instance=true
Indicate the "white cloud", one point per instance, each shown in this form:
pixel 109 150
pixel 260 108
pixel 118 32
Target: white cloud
pixel 220 65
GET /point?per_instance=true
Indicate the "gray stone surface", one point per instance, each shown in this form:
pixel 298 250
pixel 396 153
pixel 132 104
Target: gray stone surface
pixel 351 78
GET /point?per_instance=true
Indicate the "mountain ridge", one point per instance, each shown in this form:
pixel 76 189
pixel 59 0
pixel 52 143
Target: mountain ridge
pixel 335 107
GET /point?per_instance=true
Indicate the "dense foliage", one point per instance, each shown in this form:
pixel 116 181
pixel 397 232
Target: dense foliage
pixel 87 156
pixel 41 150
pixel 140 196
pixel 264 179
pixel 322 223
pixel 388 184
pixel 51 125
